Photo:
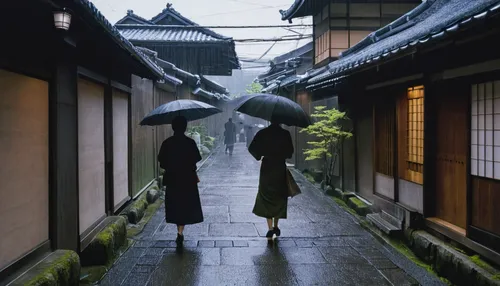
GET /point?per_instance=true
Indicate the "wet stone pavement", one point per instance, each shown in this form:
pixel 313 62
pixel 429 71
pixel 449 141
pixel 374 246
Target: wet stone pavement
pixel 321 244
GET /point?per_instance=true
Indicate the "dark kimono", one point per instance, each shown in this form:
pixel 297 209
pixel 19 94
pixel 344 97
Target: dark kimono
pixel 274 145
pixel 229 134
pixel 178 156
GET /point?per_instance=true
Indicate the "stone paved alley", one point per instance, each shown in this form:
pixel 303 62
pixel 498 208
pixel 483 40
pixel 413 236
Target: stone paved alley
pixel 321 244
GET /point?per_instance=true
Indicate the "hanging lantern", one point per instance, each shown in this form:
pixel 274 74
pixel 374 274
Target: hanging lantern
pixel 62 19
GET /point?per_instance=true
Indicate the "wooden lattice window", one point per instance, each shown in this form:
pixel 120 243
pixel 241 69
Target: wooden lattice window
pixel 415 134
pixel 384 138
pixel 485 130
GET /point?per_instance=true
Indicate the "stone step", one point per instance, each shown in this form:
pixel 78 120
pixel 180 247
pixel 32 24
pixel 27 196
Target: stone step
pixel 392 219
pixel 385 226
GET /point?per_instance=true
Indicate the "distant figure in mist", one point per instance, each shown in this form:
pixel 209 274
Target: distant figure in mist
pixel 273 145
pixel 178 157
pixel 229 136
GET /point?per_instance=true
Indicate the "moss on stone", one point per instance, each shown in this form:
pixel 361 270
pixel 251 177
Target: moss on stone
pixel 343 204
pixel 479 262
pixel 64 270
pixel 402 248
pixel 357 202
pixel 309 177
pixel 486 266
pixel 148 214
pixel 92 275
pixel 103 248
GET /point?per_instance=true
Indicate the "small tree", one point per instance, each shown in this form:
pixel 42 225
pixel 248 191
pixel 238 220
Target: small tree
pixel 254 87
pixel 329 136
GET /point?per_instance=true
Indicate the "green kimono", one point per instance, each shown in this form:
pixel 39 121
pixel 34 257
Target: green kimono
pixel 273 145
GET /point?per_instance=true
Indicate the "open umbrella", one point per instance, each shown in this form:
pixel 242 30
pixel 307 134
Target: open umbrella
pixel 278 108
pixel 191 109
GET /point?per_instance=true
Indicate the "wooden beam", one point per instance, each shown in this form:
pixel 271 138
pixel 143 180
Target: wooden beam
pixel 121 87
pixel 395 81
pixel 92 75
pixel 473 69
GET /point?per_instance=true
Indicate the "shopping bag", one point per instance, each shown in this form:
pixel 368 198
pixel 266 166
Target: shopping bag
pixel 293 188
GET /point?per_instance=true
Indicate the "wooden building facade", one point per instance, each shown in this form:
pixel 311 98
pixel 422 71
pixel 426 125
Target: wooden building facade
pixel 65 127
pixel 423 105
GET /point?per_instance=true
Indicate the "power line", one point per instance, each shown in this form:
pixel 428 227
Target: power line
pixel 274 40
pixel 215 27
pixel 251 3
pixel 239 11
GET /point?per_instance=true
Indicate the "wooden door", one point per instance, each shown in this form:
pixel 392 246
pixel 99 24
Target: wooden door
pixel 451 154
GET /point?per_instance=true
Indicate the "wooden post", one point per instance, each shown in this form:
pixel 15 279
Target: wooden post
pixel 429 175
pixel 64 214
pixel 108 147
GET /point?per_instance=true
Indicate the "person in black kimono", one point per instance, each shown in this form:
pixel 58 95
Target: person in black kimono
pixel 273 145
pixel 229 135
pixel 178 157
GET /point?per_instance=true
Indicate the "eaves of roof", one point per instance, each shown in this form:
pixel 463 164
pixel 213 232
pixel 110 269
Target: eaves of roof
pixel 190 79
pixel 297 53
pixel 293 10
pixel 162 33
pixel 172 79
pixel 130 15
pixel 169 11
pixel 429 23
pixel 201 92
pixel 214 85
pixel 119 39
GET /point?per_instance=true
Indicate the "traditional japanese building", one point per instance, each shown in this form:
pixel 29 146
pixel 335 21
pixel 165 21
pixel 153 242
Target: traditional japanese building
pixel 422 93
pixel 339 25
pixel 182 42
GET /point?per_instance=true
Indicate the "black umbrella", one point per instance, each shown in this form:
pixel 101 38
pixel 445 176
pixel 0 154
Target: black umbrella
pixel 191 109
pixel 278 108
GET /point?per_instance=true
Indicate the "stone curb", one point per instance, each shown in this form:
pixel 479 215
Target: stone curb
pixel 107 243
pixel 61 267
pixel 351 200
pixel 360 207
pixel 448 262
pixel 136 210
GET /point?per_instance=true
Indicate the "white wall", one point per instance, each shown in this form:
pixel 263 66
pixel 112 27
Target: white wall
pixel 24 175
pixel 120 146
pixel 91 159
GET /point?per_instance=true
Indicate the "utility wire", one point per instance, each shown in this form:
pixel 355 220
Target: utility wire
pixel 240 11
pixel 214 27
pixel 251 3
pixel 273 40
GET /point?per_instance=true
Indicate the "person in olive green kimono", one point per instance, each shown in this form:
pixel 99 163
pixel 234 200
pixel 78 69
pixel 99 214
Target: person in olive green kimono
pixel 273 145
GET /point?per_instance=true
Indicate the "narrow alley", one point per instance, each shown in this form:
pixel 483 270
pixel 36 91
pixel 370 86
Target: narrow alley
pixel 321 244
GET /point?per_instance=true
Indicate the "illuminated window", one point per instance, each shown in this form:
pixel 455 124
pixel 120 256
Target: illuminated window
pixel 415 134
pixel 485 130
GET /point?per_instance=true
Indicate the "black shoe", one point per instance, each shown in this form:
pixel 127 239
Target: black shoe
pixel 270 233
pixel 180 239
pixel 277 231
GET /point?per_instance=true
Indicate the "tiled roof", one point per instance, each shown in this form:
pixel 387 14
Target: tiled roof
pixel 214 85
pixel 134 18
pixel 302 8
pixel 172 12
pixel 118 38
pixel 298 52
pixel 201 92
pixel 293 10
pixel 145 33
pixel 429 23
